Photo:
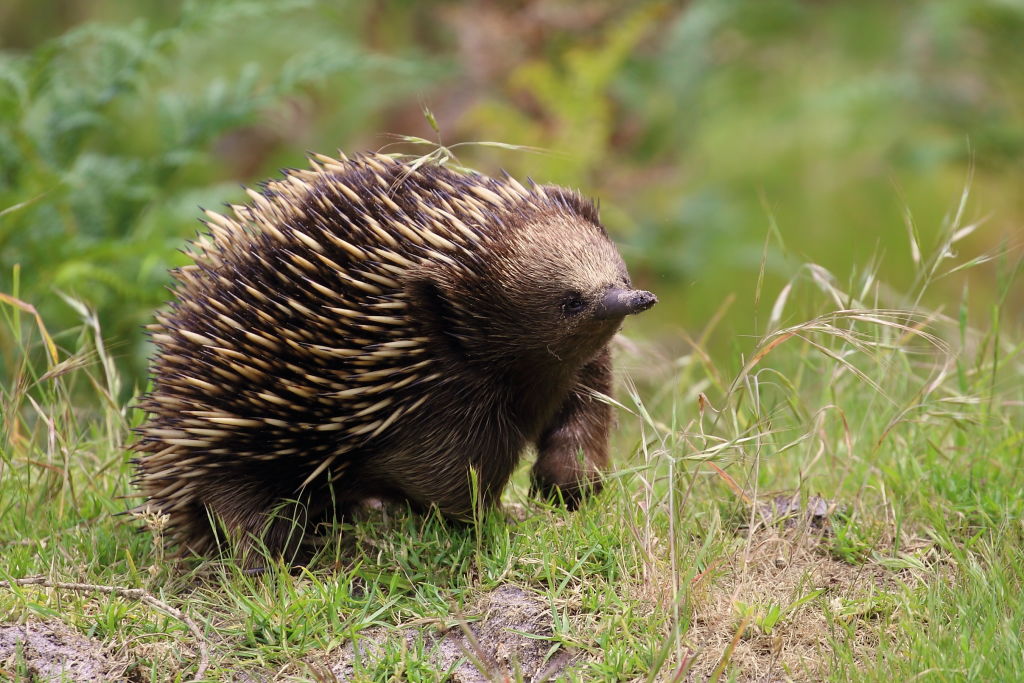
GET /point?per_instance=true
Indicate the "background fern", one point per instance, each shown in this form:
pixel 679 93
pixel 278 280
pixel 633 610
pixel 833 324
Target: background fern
pixel 116 134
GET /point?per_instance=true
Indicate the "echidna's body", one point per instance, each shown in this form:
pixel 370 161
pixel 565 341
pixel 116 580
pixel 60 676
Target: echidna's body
pixel 372 328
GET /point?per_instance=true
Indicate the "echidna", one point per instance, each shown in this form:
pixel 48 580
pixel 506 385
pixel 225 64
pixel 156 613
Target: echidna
pixel 374 327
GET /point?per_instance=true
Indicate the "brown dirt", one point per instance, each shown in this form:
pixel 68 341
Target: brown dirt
pixel 779 567
pixel 52 651
pixel 493 643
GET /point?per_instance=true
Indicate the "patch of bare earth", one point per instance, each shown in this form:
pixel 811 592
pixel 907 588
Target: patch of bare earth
pixel 505 637
pixel 765 608
pixel 52 651
pixel 770 578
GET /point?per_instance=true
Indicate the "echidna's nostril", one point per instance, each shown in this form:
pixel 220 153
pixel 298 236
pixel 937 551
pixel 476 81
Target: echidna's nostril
pixel 642 300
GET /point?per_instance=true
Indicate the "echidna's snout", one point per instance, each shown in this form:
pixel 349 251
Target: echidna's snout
pixel 618 303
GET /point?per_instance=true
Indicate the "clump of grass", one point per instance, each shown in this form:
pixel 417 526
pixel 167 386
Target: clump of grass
pixel 849 402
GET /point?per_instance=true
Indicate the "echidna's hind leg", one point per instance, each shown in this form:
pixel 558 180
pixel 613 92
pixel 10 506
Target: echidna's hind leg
pixel 572 451
pixel 261 523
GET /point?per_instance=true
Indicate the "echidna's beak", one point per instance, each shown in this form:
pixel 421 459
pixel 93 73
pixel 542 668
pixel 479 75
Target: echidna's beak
pixel 618 303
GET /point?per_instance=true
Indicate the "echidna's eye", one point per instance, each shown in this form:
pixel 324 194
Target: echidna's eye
pixel 573 304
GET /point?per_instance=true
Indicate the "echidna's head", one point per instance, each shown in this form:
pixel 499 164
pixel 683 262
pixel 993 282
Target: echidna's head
pixel 556 290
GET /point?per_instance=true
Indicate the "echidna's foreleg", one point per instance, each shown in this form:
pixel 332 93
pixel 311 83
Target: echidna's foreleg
pixel 572 451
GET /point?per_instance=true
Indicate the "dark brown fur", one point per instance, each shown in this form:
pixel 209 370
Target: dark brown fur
pixel 371 329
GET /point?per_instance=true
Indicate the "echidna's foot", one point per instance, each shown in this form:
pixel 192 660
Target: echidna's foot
pixel 372 503
pixel 571 493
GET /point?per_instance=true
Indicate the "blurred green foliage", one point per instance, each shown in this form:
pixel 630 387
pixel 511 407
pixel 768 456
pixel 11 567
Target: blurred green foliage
pixel 697 124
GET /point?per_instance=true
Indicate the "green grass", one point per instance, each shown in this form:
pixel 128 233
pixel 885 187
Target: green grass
pixel 907 423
